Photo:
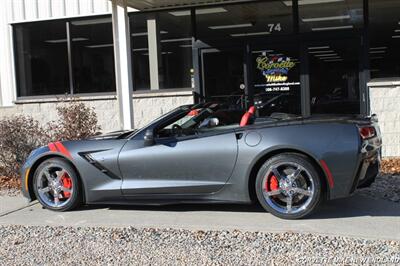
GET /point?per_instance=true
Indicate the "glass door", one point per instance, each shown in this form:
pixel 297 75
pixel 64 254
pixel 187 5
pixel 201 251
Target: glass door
pixel 276 78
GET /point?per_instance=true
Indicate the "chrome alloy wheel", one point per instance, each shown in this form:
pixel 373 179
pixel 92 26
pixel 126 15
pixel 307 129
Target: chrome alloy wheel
pixel 288 187
pixel 54 186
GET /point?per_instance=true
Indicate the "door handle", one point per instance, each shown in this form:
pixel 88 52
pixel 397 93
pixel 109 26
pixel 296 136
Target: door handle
pixel 239 135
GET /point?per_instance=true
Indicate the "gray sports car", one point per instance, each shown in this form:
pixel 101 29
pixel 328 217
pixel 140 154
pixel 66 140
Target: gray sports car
pixel 210 153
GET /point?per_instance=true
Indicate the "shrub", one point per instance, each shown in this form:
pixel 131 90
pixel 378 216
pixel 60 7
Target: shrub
pixel 19 135
pixel 77 121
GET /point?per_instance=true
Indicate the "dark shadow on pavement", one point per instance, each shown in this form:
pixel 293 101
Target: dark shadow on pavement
pixel 354 206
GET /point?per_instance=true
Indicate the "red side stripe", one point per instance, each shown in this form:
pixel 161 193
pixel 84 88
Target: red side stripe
pixel 328 173
pixel 62 149
pixel 52 147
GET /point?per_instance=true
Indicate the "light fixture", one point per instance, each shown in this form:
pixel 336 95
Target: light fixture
pixel 176 40
pixel 262 51
pixel 377 52
pixel 186 46
pixel 378 48
pixel 333 28
pixel 325 18
pixel 334 60
pixel 77 39
pixel 251 34
pixel 321 52
pixel 91 21
pixel 140 49
pixel 396 36
pixel 377 57
pixel 245 25
pixel 202 11
pixel 330 57
pixel 397 30
pixel 311 2
pixel 318 47
pixel 100 45
pixel 138 34
pixel 325 55
pixel 164 53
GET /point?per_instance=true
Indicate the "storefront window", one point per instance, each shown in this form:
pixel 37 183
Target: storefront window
pixel 334 76
pixel 233 23
pixel 93 55
pixel 41 58
pixel 224 31
pixel 330 15
pixel 384 28
pixel 140 52
pixel 41 54
pixel 176 51
pixel 162 46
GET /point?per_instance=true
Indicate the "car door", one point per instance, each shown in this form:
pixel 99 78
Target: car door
pixel 178 165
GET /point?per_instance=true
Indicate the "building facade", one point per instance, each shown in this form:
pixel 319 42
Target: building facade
pixel 299 56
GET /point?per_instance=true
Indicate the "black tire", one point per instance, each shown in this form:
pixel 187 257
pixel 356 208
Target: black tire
pixel 75 199
pixel 308 172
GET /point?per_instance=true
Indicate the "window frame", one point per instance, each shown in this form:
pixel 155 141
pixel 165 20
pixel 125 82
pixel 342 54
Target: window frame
pixel 71 80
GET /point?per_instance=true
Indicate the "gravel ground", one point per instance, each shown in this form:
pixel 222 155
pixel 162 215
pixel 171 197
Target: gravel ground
pixel 103 246
pixel 385 187
pixel 72 246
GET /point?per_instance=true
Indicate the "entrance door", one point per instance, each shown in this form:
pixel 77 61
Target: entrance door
pixel 276 78
pixel 222 75
pixel 334 76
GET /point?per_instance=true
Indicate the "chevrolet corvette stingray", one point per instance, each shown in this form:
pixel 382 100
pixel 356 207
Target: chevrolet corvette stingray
pixel 211 153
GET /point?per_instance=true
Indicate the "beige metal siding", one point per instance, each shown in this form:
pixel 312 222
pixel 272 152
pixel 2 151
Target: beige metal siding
pixel 26 10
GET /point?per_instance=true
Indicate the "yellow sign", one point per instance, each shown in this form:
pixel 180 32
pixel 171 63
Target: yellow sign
pixel 275 68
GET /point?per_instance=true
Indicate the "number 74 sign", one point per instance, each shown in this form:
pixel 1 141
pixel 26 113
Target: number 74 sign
pixel 274 27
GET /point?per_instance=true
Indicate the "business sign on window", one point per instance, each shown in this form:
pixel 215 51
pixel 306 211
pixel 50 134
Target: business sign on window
pixel 276 70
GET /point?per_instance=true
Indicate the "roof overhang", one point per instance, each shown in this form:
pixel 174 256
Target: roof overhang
pixel 169 4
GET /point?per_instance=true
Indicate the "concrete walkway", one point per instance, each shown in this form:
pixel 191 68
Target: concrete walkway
pixel 356 217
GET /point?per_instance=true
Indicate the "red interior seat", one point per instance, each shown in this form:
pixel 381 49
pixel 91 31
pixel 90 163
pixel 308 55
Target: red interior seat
pixel 247 116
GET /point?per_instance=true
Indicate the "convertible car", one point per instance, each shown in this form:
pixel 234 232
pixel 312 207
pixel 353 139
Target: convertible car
pixel 209 153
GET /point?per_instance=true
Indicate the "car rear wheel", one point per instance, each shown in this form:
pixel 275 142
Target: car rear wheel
pixel 56 185
pixel 288 186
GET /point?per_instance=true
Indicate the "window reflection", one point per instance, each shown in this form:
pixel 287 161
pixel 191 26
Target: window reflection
pixel 93 55
pixel 384 51
pixel 161 41
pixel 41 58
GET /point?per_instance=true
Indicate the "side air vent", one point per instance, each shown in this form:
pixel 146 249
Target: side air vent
pixel 103 169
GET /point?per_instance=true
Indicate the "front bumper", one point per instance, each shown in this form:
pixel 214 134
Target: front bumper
pixel 25 176
pixel 27 172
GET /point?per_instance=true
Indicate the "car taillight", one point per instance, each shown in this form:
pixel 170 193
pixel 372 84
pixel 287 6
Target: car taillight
pixel 367 132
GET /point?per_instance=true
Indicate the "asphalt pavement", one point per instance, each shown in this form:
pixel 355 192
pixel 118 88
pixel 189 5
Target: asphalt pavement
pixel 357 216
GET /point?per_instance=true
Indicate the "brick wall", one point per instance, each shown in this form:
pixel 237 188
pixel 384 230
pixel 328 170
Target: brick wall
pixel 385 102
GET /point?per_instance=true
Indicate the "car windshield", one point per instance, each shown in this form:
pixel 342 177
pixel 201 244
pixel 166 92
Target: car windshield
pixel 201 119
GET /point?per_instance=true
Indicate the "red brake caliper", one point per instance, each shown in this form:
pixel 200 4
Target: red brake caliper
pixel 67 183
pixel 272 184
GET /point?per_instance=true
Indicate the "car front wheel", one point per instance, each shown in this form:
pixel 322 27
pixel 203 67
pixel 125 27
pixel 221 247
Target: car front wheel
pixel 56 185
pixel 288 186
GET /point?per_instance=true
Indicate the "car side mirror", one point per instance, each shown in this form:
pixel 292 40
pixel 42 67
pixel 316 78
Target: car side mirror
pixel 149 138
pixel 213 122
pixel 209 123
